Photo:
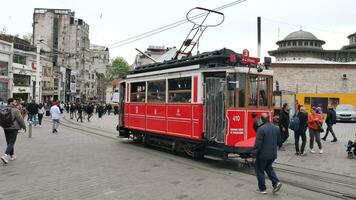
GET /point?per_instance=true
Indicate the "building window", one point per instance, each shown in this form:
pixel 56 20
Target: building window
pixel 21 80
pixel 294 43
pixel 138 92
pixel 3 91
pixel 180 90
pixel 19 59
pixel 300 43
pixel 305 43
pixel 311 44
pixel 288 43
pixel 156 91
pixel 3 68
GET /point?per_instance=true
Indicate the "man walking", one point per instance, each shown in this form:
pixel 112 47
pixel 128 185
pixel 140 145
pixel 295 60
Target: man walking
pixel 301 132
pixel 330 121
pixel 283 125
pixel 265 150
pixel 56 115
pixel 32 109
pixel 12 122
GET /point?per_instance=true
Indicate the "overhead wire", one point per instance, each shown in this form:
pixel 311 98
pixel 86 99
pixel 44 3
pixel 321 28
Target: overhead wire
pixel 168 27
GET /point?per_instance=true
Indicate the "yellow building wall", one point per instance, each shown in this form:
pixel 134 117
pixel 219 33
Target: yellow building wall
pixel 349 98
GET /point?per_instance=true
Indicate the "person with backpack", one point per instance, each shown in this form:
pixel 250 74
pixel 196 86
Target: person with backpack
pixel 11 121
pixel 300 132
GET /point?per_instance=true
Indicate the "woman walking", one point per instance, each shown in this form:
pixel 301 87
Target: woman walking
pixel 41 111
pixel 315 122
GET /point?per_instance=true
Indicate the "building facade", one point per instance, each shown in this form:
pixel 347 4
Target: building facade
pixel 316 76
pixel 6 53
pixel 66 40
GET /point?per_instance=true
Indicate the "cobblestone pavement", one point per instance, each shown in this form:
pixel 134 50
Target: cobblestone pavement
pixel 75 165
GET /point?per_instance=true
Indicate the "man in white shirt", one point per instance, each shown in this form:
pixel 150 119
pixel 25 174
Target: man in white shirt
pixel 56 115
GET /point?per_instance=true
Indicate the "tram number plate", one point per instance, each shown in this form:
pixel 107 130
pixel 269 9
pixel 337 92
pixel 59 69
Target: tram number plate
pixel 236 122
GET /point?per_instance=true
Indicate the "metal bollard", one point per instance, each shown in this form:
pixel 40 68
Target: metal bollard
pixel 30 130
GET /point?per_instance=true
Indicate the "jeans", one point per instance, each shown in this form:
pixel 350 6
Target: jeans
pixel 330 128
pixel 262 166
pixel 300 134
pixel 10 135
pixel 32 119
pixel 314 134
pixel 55 124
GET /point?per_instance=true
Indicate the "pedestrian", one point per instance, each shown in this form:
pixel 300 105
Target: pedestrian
pixel 71 110
pixel 32 109
pixel 301 132
pixel 265 151
pixel 56 115
pixel 330 121
pixel 67 107
pixel 256 121
pixel 116 109
pixel 90 111
pixel 61 107
pixel 12 122
pixel 40 114
pixel 108 108
pixel 100 110
pixel 283 125
pixel 314 122
pixel 80 112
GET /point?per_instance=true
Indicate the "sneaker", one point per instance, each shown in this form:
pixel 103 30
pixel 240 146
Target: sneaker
pixel 40 126
pixel 3 159
pixel 13 157
pixel 321 151
pixel 312 151
pixel 334 140
pixel 277 187
pixel 261 191
pixel 323 138
pixel 297 153
pixel 303 154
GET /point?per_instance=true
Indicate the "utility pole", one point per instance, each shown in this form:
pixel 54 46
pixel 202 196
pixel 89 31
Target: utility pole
pixel 38 65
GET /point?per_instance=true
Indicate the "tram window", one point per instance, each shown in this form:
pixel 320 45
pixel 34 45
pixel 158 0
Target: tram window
pixel 156 91
pixel 262 91
pixel 138 92
pixel 252 93
pixel 180 90
pixel 232 85
pixel 242 92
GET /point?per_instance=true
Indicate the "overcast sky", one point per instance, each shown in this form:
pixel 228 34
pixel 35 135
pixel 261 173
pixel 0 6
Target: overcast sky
pixel 111 21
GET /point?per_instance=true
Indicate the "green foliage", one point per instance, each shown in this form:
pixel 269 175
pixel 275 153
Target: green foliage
pixel 117 69
pixel 28 37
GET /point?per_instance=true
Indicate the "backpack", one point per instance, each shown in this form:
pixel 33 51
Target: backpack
pixel 294 123
pixel 6 120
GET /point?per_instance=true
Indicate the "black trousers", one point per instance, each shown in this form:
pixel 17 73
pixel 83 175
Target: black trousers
pixel 330 128
pixel 297 135
pixel 284 136
pixel 10 135
pixel 40 117
pixel 80 117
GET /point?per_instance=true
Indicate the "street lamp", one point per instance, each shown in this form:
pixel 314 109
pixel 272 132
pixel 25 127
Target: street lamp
pixel 38 66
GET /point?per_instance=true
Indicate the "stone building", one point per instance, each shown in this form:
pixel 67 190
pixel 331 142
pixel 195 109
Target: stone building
pixel 159 53
pixel 304 67
pixel 6 53
pixel 66 39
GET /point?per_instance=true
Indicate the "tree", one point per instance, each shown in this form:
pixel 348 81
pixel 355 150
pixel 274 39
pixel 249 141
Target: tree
pixel 28 37
pixel 117 69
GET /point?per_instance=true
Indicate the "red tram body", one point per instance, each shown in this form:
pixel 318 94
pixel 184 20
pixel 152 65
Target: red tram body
pixel 200 105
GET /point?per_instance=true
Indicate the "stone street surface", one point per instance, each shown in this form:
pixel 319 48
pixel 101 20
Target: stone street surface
pixel 75 164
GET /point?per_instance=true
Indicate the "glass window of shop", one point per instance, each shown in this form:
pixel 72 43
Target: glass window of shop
pixel 21 80
pixel 3 68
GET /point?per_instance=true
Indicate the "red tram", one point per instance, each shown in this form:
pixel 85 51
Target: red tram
pixel 202 105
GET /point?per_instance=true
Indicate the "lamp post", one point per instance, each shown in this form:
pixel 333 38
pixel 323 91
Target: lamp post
pixel 38 68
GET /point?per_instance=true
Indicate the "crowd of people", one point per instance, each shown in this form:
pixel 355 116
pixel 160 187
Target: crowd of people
pixel 13 113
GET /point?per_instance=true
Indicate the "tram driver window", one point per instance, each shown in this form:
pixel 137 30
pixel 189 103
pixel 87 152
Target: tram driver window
pixel 138 92
pixel 180 90
pixel 262 91
pixel 156 91
pixel 252 95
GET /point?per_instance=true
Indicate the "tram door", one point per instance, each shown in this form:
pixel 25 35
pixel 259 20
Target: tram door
pixel 215 101
pixel 122 97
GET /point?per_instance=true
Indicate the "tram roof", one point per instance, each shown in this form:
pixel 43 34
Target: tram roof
pixel 218 58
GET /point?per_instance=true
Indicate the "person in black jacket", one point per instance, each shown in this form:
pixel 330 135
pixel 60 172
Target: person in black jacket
pixel 330 121
pixel 283 125
pixel 32 109
pixel 301 132
pixel 265 151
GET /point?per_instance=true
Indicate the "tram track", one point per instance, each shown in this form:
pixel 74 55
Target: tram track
pixel 330 184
